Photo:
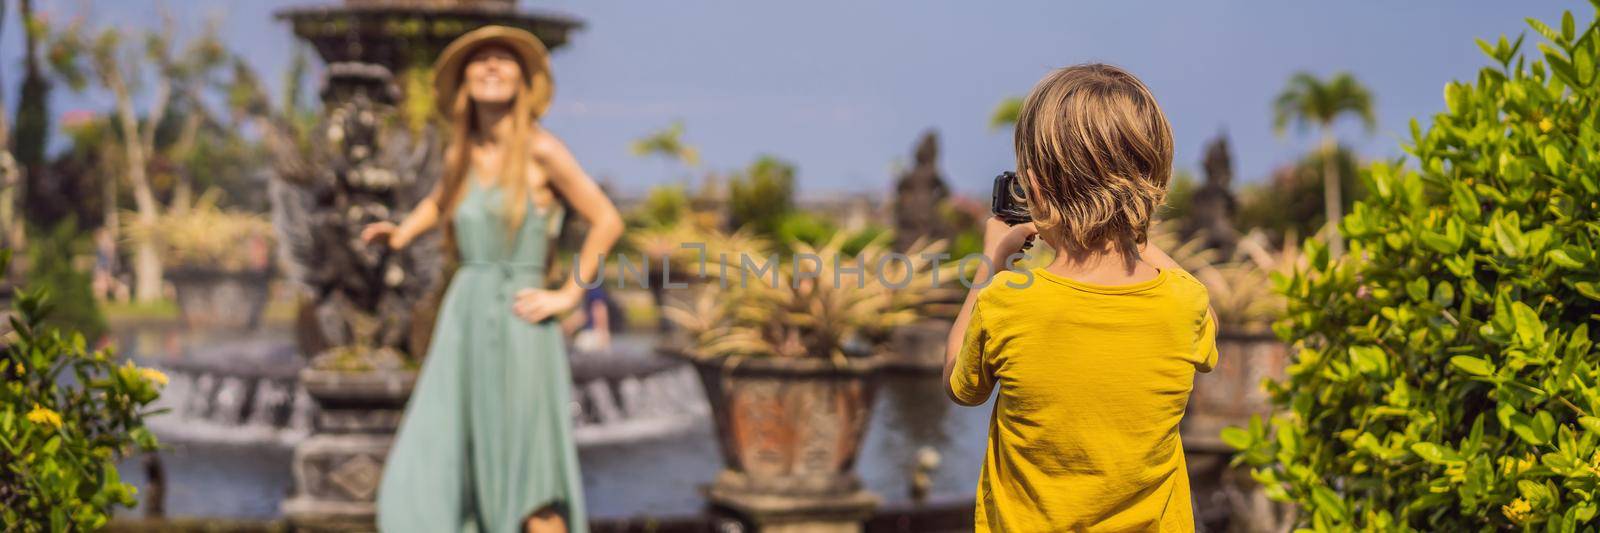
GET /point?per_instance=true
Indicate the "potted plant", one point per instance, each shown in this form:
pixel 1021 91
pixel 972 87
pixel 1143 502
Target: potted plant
pixel 1242 295
pixel 676 253
pixel 218 261
pixel 788 357
pixel 1245 304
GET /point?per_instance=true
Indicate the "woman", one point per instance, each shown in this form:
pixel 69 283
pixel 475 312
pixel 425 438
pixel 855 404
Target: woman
pixel 486 443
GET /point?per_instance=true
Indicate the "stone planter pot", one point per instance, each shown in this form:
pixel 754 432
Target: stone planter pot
pixel 1232 392
pixel 1228 396
pixel 918 347
pixel 789 431
pixel 337 469
pixel 219 299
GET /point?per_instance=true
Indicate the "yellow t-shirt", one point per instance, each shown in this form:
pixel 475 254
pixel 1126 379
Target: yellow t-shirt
pixel 1093 380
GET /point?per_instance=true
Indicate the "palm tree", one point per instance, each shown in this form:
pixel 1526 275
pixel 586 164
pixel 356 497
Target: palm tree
pixel 1307 101
pixel 1005 113
pixel 667 143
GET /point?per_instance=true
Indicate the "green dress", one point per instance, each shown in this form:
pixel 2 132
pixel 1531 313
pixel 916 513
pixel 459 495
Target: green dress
pixel 487 437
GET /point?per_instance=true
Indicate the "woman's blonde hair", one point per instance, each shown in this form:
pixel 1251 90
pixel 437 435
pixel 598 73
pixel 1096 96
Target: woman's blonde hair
pixel 1096 151
pixel 513 179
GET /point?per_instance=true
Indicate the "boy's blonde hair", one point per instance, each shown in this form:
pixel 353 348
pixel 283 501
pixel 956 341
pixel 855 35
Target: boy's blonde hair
pixel 1096 151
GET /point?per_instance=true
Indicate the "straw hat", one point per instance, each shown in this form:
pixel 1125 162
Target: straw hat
pixel 531 53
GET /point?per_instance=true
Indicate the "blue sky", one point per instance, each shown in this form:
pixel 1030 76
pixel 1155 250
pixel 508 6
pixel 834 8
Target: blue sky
pixel 844 88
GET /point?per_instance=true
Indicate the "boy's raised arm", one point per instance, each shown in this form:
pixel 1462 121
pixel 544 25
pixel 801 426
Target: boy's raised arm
pixel 1000 242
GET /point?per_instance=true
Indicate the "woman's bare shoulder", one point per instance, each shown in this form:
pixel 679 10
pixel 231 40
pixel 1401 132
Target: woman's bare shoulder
pixel 544 143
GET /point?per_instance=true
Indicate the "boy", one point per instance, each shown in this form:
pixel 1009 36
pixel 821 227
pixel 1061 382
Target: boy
pixel 1094 354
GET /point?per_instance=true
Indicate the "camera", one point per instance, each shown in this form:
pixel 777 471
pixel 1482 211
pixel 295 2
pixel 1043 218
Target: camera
pixel 1010 202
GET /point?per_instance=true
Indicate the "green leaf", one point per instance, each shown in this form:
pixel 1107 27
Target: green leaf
pixel 1543 29
pixel 1369 360
pixel 1472 365
pixel 1562 259
pixel 1444 294
pixel 1545 425
pixel 1522 425
pixel 1592 424
pixel 1553 159
pixel 1439 243
pixel 1417 289
pixel 1328 501
pixel 1536 430
pixel 1529 328
pixel 1588 288
pixel 1584 512
pixel 1583 66
pixel 1487 50
pixel 1435 453
pixel 1238 438
pixel 1509 238
pixel 1464 201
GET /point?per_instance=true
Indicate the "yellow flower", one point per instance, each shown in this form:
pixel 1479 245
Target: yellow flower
pixel 151 374
pixel 1517 511
pixel 1545 124
pixel 41 415
pixel 1512 466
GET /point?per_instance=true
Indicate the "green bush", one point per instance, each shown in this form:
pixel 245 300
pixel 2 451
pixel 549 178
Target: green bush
pixel 1444 377
pixel 803 227
pixel 664 206
pixel 66 416
pixel 1289 202
pixel 859 240
pixel 762 195
pixel 50 265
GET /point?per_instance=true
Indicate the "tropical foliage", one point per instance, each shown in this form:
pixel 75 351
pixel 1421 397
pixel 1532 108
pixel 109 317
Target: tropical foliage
pixel 183 75
pixel 1005 113
pixel 1291 200
pixel 1241 285
pixel 762 195
pixel 66 416
pixel 206 236
pixel 50 264
pixel 1444 377
pixel 820 302
pixel 663 206
pixel 668 144
pixel 1308 100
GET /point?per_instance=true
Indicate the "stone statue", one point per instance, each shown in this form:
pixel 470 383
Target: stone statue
pixel 367 166
pixel 1212 207
pixel 919 197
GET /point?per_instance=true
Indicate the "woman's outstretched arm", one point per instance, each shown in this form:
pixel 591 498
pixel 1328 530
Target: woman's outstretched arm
pixel 421 219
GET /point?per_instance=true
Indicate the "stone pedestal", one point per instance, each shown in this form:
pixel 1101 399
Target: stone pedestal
pixel 337 469
pixel 776 513
pixel 918 347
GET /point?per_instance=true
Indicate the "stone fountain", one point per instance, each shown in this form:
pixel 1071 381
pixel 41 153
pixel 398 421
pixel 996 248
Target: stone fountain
pixel 367 314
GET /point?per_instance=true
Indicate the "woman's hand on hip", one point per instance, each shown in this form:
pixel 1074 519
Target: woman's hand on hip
pixel 536 305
